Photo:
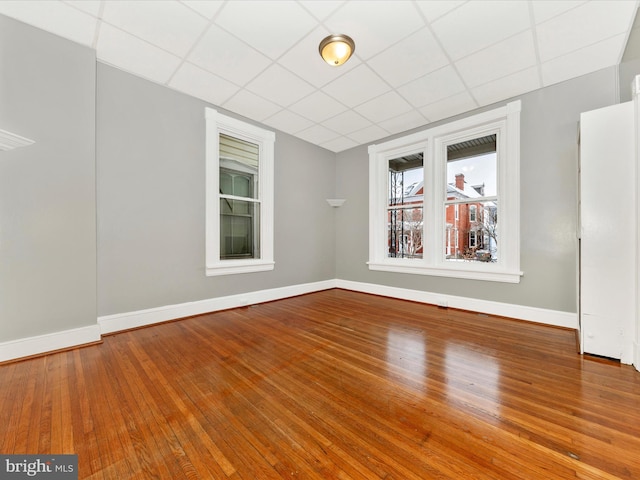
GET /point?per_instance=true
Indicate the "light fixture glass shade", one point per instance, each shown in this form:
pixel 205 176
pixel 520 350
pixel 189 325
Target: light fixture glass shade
pixel 336 49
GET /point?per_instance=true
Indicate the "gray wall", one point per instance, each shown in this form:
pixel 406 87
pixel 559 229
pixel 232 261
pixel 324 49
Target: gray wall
pixel 151 202
pixel 548 183
pixel 147 160
pixel 47 190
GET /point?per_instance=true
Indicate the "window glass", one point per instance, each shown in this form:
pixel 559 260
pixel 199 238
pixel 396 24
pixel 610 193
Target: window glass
pixel 436 196
pixel 471 205
pixel 239 194
pixel 405 207
pixel 238 227
pixel 473 165
pixel 239 232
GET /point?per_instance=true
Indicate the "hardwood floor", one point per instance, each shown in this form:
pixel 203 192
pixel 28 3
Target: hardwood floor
pixel 334 384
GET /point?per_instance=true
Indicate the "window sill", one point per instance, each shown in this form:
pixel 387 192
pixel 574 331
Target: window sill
pixel 484 274
pixel 233 267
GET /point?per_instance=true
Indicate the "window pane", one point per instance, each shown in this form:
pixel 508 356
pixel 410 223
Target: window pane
pixel 239 227
pixel 472 168
pixel 242 186
pixel 406 180
pixel 405 202
pixel 236 183
pixel 238 167
pixel 226 182
pixel 405 232
pixel 472 240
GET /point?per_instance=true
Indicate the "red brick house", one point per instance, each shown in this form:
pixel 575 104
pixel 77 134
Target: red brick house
pixel 469 224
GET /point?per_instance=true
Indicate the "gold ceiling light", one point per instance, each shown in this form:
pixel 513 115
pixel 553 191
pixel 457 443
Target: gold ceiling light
pixel 336 49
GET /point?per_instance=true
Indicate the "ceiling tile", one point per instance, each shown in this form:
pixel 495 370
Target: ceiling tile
pixel 409 59
pixel 321 9
pixel 545 10
pixel 92 7
pixel 280 86
pixel 318 134
pixel 318 107
pixel 384 107
pixel 585 60
pixel 270 27
pixel 503 58
pixel 221 53
pixel 339 144
pixel 477 25
pixel 416 61
pixel 346 122
pixel 369 134
pixel 251 105
pixel 169 25
pixel 404 122
pixel 55 17
pixel 202 84
pixel 507 87
pixel 449 107
pixel 435 86
pixel 434 9
pixel 587 24
pixel 357 86
pixel 305 61
pixel 134 55
pixel 206 8
pixel 288 122
pixel 375 25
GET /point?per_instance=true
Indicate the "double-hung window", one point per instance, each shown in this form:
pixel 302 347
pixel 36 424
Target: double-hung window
pixel 435 198
pixel 239 196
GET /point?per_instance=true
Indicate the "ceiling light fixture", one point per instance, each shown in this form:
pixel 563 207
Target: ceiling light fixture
pixel 336 49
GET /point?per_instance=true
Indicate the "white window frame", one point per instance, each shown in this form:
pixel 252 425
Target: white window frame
pixel 505 122
pixel 473 213
pixel 217 123
pixel 473 238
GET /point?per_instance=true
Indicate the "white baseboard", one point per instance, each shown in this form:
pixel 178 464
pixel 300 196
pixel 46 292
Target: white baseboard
pixel 521 312
pixel 26 347
pixel 141 318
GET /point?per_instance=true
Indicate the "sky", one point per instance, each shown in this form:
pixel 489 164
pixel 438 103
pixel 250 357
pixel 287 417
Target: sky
pixel 477 170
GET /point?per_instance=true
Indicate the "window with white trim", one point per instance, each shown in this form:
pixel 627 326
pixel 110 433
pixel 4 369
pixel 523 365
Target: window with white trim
pixel 473 213
pixel 239 196
pixel 435 198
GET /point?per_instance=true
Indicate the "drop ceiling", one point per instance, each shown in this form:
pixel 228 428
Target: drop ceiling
pixel 415 61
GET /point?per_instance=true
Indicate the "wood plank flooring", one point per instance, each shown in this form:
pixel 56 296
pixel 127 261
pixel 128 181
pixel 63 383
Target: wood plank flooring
pixel 331 385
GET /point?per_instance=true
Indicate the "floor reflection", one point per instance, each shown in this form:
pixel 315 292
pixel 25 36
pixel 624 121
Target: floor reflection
pixel 472 378
pixel 406 356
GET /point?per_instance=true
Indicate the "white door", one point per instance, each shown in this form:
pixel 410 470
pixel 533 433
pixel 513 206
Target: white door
pixel 608 223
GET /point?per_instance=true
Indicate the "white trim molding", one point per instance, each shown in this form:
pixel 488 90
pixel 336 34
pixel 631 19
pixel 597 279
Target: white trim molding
pixel 262 260
pixel 25 347
pixel 9 141
pixel 150 316
pixel 49 342
pixel 128 320
pixel 521 312
pixel 432 144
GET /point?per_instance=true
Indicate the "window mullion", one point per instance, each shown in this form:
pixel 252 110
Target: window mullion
pixel 471 200
pixel 461 147
pixel 248 172
pixel 242 199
